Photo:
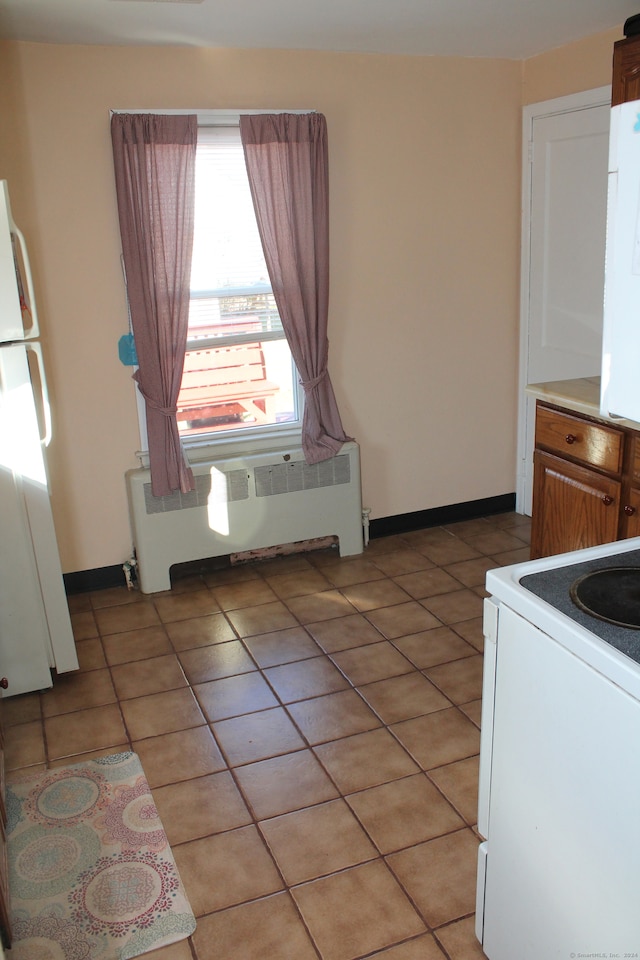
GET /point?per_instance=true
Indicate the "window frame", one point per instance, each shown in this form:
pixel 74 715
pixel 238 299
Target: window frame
pixel 248 440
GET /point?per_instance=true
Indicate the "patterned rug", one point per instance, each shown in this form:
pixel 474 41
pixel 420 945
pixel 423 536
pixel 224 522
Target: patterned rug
pixel 91 874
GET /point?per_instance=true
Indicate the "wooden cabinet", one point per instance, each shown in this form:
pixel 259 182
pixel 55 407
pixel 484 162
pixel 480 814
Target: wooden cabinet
pixel 586 487
pixel 625 83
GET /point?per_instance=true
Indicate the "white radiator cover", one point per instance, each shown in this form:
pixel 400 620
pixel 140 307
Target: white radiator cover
pixel 245 503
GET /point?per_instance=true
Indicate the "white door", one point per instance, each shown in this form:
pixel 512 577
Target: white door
pixel 565 149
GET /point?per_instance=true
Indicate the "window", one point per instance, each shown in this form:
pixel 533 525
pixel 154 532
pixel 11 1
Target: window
pixel 239 377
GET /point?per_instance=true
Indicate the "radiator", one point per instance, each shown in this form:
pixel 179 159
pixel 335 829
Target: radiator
pixel 245 503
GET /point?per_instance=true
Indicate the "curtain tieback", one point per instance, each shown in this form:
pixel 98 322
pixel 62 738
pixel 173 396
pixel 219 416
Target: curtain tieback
pixel 164 411
pixel 308 385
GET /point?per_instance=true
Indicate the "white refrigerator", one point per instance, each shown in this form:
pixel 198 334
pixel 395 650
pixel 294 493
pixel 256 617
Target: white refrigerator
pixel 620 384
pixel 36 637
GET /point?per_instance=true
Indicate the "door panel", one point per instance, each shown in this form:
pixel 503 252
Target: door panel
pixel 564 223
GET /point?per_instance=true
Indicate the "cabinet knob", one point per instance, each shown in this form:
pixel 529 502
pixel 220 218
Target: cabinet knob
pixel 571 438
pixel 607 500
pixel 4 683
pixel 629 510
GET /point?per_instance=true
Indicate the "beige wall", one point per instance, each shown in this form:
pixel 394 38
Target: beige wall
pixel 578 66
pixel 425 181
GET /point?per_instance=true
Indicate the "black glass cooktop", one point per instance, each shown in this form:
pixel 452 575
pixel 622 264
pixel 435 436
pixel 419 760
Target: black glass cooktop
pixel 602 595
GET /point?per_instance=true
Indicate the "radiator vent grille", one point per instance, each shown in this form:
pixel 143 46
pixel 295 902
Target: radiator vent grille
pixel 270 480
pixel 234 486
pixel 276 478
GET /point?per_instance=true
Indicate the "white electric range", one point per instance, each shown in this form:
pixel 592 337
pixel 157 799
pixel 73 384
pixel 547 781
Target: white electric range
pixel 559 791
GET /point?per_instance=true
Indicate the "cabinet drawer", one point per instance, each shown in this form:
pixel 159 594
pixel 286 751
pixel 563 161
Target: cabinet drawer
pixel 592 443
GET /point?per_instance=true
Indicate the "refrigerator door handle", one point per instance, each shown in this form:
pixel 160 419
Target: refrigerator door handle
pixel 23 268
pixel 42 401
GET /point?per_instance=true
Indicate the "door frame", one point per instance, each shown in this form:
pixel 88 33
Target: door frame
pixel 572 103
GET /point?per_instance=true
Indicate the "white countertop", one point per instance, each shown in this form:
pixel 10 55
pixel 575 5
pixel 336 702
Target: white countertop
pixel 581 396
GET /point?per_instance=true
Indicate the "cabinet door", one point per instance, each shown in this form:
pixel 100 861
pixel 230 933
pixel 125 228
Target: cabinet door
pixel 626 71
pixel 573 507
pixel 631 513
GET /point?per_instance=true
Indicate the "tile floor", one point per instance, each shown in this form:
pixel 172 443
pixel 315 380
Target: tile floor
pixel 309 726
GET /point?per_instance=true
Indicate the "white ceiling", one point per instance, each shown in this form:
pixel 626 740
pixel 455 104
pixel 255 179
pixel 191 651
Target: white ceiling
pixel 512 29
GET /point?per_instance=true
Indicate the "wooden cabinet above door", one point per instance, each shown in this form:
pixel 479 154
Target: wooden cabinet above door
pixel 625 84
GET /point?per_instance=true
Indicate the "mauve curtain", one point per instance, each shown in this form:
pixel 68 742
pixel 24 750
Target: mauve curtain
pixel 154 158
pixel 286 156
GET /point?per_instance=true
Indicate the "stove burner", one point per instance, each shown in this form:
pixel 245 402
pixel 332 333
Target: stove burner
pixel 611 594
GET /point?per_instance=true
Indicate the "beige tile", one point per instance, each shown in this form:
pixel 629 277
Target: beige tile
pixel 78 691
pixel 473 710
pixel 179 756
pixel 350 571
pixel 298 584
pixel 245 593
pixel 24 745
pixel 404 812
pixel 496 541
pixel 355 912
pixel 84 625
pixel 79 602
pixel 257 736
pixel 126 617
pixel 459 783
pixel 419 948
pixel 90 654
pixel 337 715
pixel 283 784
pixel 472 632
pixel 200 631
pixel 183 606
pixel 472 573
pixel 469 528
pixel 429 647
pixel 440 875
pixel 402 619
pixel 225 869
pixel 267 929
pixel 136 645
pixel 365 760
pixel 216 661
pixel 174 951
pixel 143 677
pixel 20 709
pixel 399 562
pixel 233 696
pixel 512 556
pixel 460 680
pixel 427 583
pixel 439 738
pixel 320 606
pixel 400 698
pixel 370 663
pixel 305 678
pixel 317 841
pixel 115 597
pixel 197 808
pixel 449 551
pixel 282 646
pixel 236 573
pixel 251 621
pixel 84 730
pixel 343 633
pixel 454 607
pixel 460 941
pixel 161 713
pixel 372 595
